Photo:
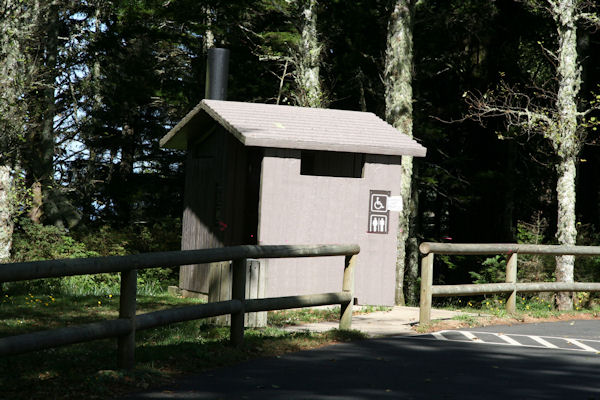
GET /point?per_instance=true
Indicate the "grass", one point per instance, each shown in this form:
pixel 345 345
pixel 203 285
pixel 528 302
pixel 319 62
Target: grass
pixel 370 309
pixel 88 370
pixel 530 306
pixel 308 315
pixel 466 318
pixel 482 311
pixel 305 315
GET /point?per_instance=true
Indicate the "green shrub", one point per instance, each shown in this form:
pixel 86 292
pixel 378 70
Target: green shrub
pixel 91 285
pixel 534 267
pixel 587 269
pixel 33 242
pixel 493 270
pixel 162 235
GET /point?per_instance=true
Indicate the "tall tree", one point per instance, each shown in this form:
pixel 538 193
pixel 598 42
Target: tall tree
pixel 398 75
pixel 209 37
pixel 308 57
pixel 554 113
pixel 289 47
pixel 141 76
pixel 17 24
pixel 39 149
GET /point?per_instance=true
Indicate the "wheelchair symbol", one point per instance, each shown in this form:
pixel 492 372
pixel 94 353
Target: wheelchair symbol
pixel 378 203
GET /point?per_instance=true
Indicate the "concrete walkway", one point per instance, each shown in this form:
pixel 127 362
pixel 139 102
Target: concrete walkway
pixel 398 321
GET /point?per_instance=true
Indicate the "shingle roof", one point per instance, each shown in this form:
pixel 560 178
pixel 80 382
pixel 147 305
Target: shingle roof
pixel 269 125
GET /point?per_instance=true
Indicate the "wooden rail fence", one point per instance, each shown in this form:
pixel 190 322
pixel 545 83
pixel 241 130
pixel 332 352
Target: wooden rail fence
pixel 511 286
pixel 128 323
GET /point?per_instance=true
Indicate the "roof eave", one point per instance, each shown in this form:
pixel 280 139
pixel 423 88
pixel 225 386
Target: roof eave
pixel 177 138
pixel 415 150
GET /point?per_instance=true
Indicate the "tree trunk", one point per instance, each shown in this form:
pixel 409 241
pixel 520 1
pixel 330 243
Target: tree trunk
pixel 411 284
pixel 35 213
pixel 565 140
pixel 209 37
pixel 566 227
pixel 6 214
pixel 308 58
pixel 39 156
pixel 88 188
pixel 17 22
pixel 124 206
pixel 398 74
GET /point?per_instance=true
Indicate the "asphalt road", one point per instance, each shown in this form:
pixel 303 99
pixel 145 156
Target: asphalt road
pixel 411 368
pixel 578 329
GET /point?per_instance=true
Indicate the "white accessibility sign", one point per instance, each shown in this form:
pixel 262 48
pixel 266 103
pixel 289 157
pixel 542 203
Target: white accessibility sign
pixel 395 203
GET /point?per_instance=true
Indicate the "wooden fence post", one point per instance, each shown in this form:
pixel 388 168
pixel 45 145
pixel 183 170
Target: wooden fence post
pixel 348 286
pixel 126 343
pixel 426 283
pixel 511 277
pixel 238 292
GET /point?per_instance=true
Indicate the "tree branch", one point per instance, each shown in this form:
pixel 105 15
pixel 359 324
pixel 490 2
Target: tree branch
pixel 589 19
pixel 515 107
pixel 583 114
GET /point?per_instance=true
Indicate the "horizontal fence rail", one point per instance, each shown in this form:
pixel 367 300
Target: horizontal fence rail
pixel 506 248
pixel 511 286
pixel 128 323
pixel 98 265
pixel 498 288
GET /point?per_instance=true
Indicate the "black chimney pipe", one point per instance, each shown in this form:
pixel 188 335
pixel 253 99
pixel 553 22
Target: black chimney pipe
pixel 217 71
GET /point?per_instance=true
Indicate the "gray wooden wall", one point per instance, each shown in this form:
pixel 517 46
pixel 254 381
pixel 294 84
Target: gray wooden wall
pixel 214 202
pixel 302 209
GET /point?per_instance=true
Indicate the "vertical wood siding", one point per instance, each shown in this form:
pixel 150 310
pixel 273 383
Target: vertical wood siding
pixel 297 209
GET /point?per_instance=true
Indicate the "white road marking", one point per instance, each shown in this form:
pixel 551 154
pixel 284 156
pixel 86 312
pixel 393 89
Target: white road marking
pixel 544 342
pixel 508 340
pixel 581 345
pixel 470 336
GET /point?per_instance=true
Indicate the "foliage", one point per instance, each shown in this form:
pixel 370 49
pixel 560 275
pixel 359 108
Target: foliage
pixel 161 235
pixel 34 242
pixel 493 270
pixel 534 268
pixel 587 269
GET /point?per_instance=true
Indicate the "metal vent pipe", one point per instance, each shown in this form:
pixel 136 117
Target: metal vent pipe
pixel 217 72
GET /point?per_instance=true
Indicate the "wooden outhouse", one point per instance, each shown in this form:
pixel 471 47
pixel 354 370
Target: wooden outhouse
pixel 274 174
